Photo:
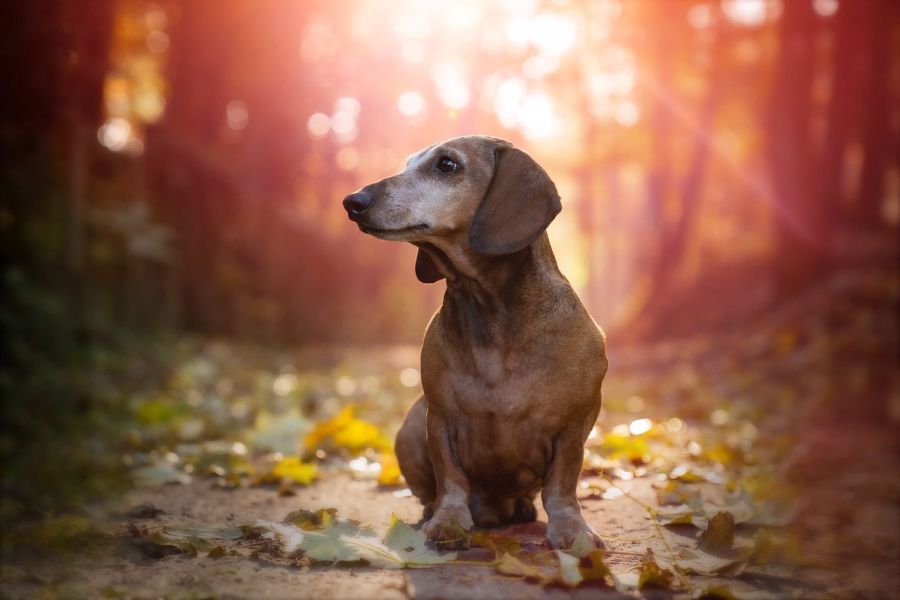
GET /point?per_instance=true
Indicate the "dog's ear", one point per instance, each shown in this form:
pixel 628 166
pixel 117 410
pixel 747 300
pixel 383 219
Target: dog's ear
pixel 426 270
pixel 520 203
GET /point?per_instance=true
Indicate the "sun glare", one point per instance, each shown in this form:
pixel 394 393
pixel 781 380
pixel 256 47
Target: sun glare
pixel 537 116
pixel 452 84
pixel 435 45
pixel 748 13
pixel 552 34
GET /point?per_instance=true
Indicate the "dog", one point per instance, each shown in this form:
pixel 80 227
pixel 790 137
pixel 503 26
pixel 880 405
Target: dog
pixel 512 363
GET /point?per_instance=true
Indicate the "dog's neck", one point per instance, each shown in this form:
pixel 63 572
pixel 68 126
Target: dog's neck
pixel 490 298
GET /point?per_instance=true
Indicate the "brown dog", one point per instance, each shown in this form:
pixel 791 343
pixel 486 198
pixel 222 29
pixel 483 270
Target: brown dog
pixel 512 363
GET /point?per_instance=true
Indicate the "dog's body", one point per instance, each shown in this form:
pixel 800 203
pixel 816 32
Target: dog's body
pixel 512 364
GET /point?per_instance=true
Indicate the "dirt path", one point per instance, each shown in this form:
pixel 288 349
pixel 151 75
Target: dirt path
pixel 130 572
pixel 764 417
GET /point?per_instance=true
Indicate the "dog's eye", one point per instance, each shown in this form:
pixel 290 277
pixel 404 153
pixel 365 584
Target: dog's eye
pixel 447 165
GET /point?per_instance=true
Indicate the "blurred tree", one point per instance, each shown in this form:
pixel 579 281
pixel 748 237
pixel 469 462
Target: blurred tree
pixel 802 226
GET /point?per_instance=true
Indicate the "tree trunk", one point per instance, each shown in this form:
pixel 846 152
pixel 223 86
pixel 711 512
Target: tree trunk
pixel 801 223
pixel 877 133
pixel 843 109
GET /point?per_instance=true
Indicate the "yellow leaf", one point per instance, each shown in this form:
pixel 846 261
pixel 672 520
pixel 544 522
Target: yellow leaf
pixel 357 435
pixel 327 428
pixel 593 566
pixel 652 575
pixel 616 446
pixel 508 565
pixel 390 470
pixel 345 431
pixel 498 543
pixel 294 470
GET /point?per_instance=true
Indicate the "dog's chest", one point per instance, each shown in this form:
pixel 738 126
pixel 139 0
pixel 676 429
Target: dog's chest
pixel 502 383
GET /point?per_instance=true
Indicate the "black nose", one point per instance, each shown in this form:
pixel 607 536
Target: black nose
pixel 358 202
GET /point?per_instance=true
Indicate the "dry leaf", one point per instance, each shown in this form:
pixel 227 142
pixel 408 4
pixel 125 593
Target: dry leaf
pixel 719 535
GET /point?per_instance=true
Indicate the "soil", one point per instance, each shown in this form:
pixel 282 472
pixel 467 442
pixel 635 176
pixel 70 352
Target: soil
pixel 129 572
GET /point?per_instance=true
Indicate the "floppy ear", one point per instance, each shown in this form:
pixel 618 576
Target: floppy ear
pixel 520 202
pixel 426 271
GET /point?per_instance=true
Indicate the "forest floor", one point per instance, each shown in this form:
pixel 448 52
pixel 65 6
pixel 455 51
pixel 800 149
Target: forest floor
pixel 761 462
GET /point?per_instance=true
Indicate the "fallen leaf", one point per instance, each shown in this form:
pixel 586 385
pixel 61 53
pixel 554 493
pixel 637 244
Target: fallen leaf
pixel 680 515
pixel 718 538
pixel 160 473
pixel 509 565
pixel 629 447
pixel 652 575
pixel 676 493
pixel 290 470
pixel 686 474
pixel 195 541
pixel 703 563
pixel 626 582
pixel 311 520
pixel 329 544
pixel 409 547
pixel 593 567
pixel 496 542
pixel 279 432
pixel 335 540
pixel 345 431
pixel 389 475
pixel 569 572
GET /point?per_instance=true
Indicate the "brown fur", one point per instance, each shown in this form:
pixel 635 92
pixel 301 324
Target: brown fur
pixel 512 364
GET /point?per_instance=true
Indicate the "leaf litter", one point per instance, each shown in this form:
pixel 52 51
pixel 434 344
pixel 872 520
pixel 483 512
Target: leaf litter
pixel 723 439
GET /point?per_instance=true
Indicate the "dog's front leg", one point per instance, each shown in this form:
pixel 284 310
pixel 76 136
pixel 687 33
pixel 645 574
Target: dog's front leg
pixel 451 508
pixel 565 521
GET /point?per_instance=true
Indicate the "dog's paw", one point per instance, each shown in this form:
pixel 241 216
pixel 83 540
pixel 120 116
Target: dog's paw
pixel 563 531
pixel 449 528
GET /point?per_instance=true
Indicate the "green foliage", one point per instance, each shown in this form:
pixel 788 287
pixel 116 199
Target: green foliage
pixel 62 408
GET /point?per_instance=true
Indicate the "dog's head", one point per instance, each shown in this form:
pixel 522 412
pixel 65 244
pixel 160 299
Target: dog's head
pixel 469 194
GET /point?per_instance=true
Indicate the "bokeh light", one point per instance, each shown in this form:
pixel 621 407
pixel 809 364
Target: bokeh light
pixel 411 103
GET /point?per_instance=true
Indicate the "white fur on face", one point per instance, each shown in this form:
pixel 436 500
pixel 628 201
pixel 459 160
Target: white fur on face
pixel 414 161
pixel 416 197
